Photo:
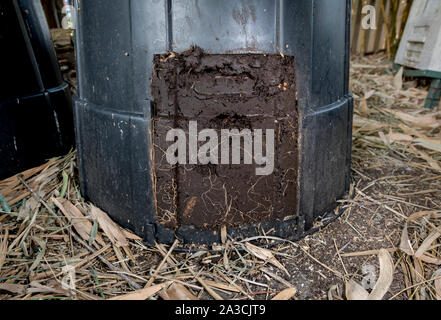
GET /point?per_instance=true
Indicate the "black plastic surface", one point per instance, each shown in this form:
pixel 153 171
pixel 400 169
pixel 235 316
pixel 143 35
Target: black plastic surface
pixel 116 41
pixel 36 120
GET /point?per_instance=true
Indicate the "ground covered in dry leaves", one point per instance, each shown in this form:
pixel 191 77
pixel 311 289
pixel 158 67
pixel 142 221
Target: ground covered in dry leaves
pixel 386 245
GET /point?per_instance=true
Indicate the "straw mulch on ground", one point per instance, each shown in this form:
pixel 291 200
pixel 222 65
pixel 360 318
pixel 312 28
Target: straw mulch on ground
pixel 386 245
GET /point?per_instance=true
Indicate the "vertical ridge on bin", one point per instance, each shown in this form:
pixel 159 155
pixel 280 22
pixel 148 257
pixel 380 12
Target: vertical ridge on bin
pixel 169 17
pixel 278 26
pixel 29 46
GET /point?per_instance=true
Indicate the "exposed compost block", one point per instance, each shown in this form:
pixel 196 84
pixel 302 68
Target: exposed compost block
pixel 225 91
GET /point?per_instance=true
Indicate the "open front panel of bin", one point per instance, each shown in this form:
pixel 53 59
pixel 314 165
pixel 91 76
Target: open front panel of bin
pixel 275 69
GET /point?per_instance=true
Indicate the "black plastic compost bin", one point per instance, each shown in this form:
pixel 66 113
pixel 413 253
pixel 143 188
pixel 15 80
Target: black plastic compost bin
pixel 135 63
pixel 36 121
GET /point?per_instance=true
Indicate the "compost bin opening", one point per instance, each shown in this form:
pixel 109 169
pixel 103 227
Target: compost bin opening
pixel 224 92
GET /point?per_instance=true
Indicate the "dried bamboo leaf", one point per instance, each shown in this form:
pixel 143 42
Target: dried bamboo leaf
pixel 369 94
pixel 424 121
pixel 221 286
pixel 206 287
pixel 13 181
pixel 265 255
pixel 41 253
pixel 177 292
pixel 354 291
pixel 68 282
pixel 13 288
pixel 405 244
pixel 31 205
pixel 427 243
pixel 431 144
pixel 81 224
pixel 334 289
pixel 286 294
pixel 35 287
pixel 276 277
pixel 395 136
pixel 433 163
pixel 131 236
pixel 366 124
pixel 383 138
pixel 426 257
pixel 437 283
pixel 142 294
pixel 3 248
pixel 398 79
pixel 386 276
pixel 224 234
pixel 111 229
pixel 363 108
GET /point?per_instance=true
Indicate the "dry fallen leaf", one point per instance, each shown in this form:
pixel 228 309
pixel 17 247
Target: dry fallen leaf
pixel 365 124
pixel 36 287
pixel 114 232
pixel 142 294
pixel 265 255
pixel 431 144
pixel 81 224
pixel 437 276
pixel 177 292
pixel 224 234
pixel 29 207
pixel 424 121
pixel 433 163
pixel 221 286
pixel 3 248
pixel 395 136
pixel 131 236
pixel 383 138
pixel 285 294
pixel 398 79
pixel 354 291
pixel 363 107
pixel 13 288
pixel 386 276
pixel 334 292
pixel 405 244
pixel 427 243
pixel 369 94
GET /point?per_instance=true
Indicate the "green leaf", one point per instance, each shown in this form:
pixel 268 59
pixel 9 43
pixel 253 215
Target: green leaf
pixel 94 231
pixel 5 205
pixel 64 187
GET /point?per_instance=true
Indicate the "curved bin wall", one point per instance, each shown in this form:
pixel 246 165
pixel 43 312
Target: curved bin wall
pixel 117 42
pixel 36 121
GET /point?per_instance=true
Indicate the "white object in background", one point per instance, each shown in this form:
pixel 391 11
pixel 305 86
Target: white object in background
pixel 420 46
